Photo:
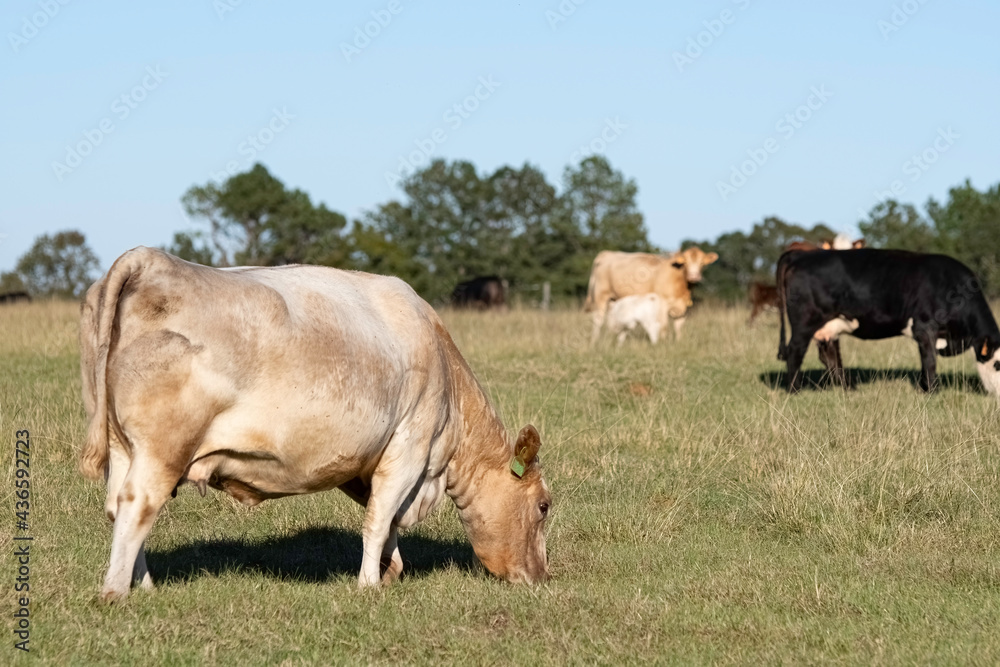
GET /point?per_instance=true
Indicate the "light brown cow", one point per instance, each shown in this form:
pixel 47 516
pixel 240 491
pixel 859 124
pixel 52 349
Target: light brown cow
pixel 839 242
pixel 762 297
pixel 268 382
pixel 618 274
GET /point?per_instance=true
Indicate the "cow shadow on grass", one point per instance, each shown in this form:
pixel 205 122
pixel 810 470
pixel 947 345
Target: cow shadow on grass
pixel 818 379
pixel 311 555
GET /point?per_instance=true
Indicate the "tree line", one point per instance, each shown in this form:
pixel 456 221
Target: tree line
pixel 453 223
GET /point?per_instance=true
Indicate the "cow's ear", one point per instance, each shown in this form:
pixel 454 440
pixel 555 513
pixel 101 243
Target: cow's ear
pixel 711 257
pixel 859 244
pixel 525 450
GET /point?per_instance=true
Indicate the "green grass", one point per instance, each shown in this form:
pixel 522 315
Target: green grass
pixel 700 515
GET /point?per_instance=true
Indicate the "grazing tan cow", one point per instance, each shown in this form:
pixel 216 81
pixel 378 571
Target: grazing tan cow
pixel 268 382
pixel 619 274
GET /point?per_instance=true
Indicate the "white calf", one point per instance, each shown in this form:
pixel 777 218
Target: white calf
pixel 651 311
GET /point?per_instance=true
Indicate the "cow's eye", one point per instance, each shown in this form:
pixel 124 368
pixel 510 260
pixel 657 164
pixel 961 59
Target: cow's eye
pixel 996 365
pixel 544 507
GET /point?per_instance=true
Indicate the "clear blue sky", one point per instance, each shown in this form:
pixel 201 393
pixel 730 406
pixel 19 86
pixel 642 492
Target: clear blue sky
pixel 222 75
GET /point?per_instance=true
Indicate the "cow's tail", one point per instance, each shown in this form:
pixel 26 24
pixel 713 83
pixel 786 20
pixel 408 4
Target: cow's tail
pixel 104 302
pixel 780 283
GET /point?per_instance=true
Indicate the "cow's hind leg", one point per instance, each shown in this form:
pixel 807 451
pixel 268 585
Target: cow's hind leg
pixel 164 414
pixel 678 325
pixel 796 351
pixel 118 466
pixel 598 322
pixel 145 490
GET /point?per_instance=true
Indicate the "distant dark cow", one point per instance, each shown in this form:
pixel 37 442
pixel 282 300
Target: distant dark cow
pixel 15 297
pixel 762 297
pixel 479 293
pixel 874 294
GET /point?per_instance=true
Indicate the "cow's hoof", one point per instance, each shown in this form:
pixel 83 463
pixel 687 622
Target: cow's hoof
pixel 391 575
pixel 113 597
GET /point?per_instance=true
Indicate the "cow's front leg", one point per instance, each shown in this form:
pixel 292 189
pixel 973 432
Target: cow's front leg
pixel 829 354
pixel 678 325
pixel 391 562
pixel 928 360
pixel 393 486
pixel 653 331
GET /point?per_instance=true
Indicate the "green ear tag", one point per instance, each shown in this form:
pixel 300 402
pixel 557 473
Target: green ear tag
pixel 517 465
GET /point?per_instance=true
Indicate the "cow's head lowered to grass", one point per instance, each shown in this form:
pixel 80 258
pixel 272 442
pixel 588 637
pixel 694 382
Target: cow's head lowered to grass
pixel 505 518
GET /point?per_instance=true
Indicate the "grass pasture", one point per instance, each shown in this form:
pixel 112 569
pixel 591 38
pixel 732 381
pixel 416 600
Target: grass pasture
pixel 700 515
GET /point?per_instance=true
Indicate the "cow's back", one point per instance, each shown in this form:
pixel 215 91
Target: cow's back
pixel 627 273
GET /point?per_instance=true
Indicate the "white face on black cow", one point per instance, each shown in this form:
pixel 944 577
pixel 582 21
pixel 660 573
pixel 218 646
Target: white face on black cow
pixel 989 373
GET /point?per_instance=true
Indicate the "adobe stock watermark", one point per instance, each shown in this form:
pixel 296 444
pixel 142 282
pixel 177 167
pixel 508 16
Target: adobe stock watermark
pixel 917 165
pixel 23 540
pixel 562 12
pixel 255 144
pixel 454 116
pixel 714 29
pixel 223 7
pixel 900 16
pixel 608 135
pixel 786 127
pixel 31 25
pixel 122 107
pixel 363 35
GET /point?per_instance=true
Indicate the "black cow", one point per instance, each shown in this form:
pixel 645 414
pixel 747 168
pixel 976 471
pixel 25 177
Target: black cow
pixel 15 297
pixel 479 293
pixel 872 294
